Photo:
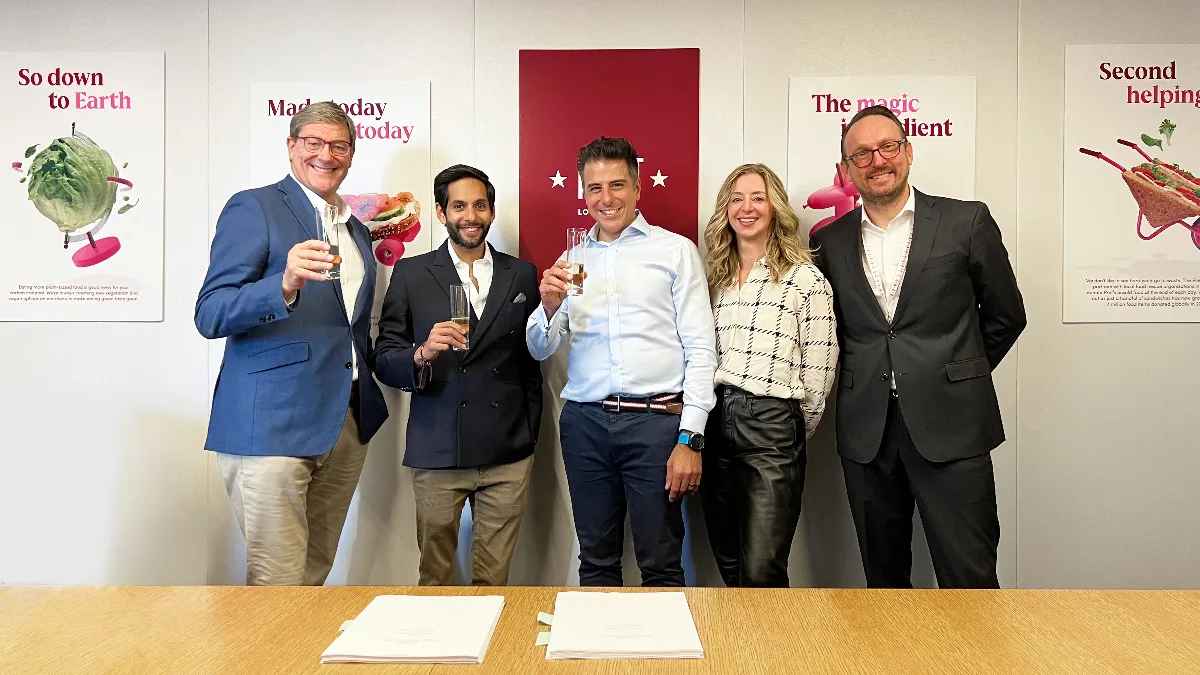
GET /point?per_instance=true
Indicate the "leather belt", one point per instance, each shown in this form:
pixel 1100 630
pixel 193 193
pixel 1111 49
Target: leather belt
pixel 664 404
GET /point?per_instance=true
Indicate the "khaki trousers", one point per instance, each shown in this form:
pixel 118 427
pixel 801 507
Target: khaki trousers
pixel 497 494
pixel 291 509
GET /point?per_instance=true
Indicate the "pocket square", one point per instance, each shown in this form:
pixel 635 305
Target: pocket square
pixel 520 298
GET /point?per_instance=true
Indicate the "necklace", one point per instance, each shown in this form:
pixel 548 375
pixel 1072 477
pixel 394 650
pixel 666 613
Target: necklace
pixel 885 294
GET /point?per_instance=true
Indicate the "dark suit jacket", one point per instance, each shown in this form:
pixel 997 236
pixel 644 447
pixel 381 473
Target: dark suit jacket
pixel 478 407
pixel 958 314
pixel 285 379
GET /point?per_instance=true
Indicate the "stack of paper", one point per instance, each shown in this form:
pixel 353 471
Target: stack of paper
pixel 419 629
pixel 623 626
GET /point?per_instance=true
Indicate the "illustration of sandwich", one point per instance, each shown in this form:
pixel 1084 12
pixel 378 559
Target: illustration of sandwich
pixel 1166 194
pixel 393 221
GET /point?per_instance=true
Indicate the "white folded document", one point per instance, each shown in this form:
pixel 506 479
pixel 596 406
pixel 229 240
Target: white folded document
pixel 419 629
pixel 599 625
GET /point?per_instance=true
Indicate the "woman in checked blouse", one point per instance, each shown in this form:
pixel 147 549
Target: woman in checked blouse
pixel 776 357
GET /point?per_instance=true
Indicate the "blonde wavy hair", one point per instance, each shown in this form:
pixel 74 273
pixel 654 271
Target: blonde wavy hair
pixel 784 246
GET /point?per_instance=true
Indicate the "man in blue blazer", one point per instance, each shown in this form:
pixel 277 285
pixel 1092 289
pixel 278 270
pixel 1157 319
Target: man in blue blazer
pixel 476 395
pixel 295 403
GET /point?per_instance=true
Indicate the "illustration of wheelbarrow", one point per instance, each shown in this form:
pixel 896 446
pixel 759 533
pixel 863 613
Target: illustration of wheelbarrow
pixel 1165 193
pixel 842 197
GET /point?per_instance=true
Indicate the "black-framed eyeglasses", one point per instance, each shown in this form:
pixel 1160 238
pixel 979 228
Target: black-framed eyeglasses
pixel 889 150
pixel 315 144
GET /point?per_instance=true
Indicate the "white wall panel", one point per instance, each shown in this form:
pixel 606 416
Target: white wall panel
pixel 103 481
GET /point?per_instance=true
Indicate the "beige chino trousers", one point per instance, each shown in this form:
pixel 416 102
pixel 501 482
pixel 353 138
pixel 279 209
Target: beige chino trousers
pixel 498 496
pixel 291 509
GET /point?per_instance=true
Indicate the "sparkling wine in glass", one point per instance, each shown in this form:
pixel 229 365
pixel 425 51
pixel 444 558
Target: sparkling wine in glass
pixel 460 310
pixel 576 240
pixel 334 273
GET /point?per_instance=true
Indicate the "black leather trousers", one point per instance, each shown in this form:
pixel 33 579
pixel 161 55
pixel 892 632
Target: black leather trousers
pixel 754 461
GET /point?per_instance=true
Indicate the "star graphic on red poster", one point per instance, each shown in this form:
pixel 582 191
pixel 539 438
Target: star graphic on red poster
pixel 555 122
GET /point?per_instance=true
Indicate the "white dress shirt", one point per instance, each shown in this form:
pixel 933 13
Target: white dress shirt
pixel 353 270
pixel 885 254
pixel 779 339
pixel 643 325
pixel 885 258
pixel 483 274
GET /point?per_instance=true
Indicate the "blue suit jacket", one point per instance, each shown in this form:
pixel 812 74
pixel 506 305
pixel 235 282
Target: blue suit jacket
pixel 286 376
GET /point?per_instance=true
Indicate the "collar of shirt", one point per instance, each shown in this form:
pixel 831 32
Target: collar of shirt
pixel 638 226
pixel 342 213
pixel 462 266
pixel 909 212
pixel 759 271
pixel 483 276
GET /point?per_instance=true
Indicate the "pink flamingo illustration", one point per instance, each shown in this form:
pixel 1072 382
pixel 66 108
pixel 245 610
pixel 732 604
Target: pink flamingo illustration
pixel 842 196
pixel 1165 194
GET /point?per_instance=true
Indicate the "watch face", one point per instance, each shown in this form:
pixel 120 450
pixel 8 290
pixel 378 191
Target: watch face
pixel 696 442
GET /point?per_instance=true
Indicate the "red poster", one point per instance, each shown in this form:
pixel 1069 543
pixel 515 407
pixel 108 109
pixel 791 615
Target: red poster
pixel 570 97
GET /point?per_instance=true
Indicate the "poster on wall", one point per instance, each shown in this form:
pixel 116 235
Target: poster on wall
pixel 938 114
pixel 1131 196
pixel 83 201
pixel 558 118
pixel 389 186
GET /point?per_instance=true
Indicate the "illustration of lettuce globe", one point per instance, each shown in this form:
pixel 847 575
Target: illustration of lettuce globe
pixel 69 182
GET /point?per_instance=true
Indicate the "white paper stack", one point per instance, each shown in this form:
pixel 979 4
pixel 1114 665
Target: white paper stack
pixel 623 626
pixel 419 629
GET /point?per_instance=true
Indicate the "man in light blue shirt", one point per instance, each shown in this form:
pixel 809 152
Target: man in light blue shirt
pixel 640 368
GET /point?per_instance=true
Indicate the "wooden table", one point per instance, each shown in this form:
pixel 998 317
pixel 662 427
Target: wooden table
pixel 221 629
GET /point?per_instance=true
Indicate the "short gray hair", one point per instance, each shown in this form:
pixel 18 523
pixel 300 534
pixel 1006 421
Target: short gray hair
pixel 316 113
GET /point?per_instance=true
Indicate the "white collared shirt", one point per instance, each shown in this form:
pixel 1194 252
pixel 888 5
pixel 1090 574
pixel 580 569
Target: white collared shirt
pixel 779 339
pixel 643 325
pixel 483 275
pixel 885 254
pixel 353 270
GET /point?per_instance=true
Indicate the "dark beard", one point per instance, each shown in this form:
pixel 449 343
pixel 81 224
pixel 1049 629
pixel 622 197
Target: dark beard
pixel 455 237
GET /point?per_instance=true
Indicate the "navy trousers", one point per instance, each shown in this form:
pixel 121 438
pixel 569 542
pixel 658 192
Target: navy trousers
pixel 617 461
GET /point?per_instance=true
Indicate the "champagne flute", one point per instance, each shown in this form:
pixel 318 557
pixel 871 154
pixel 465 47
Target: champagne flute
pixel 576 240
pixel 334 273
pixel 460 311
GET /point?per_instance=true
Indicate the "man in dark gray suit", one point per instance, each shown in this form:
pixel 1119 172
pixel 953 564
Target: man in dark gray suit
pixel 476 395
pixel 927 305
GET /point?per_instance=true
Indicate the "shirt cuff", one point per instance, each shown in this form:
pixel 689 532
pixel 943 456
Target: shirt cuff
pixel 539 317
pixel 693 419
